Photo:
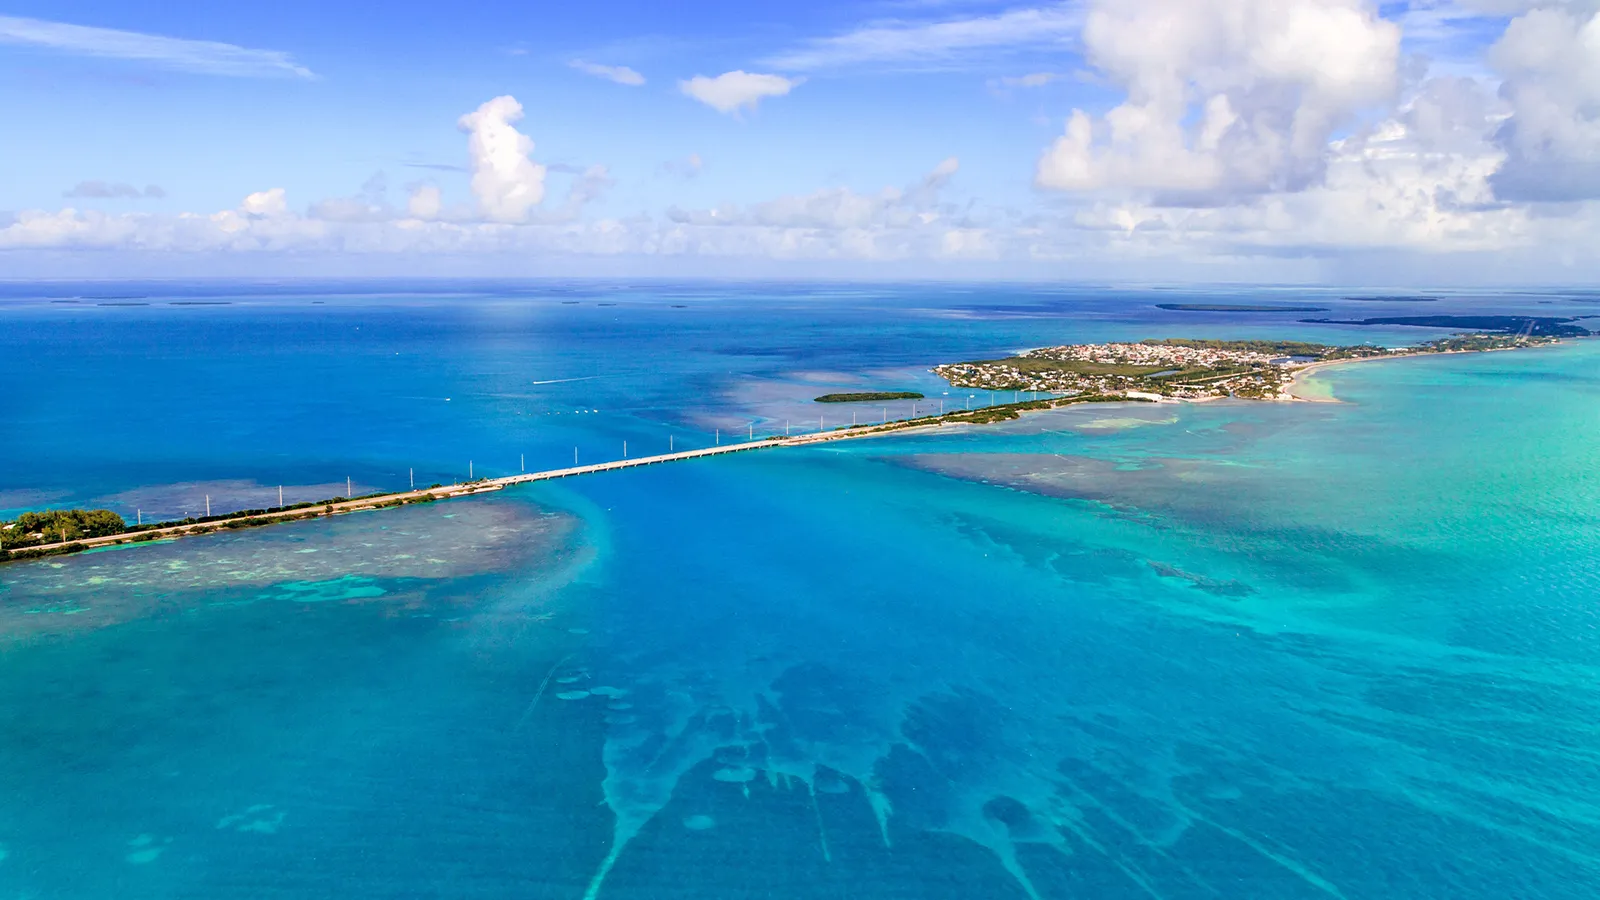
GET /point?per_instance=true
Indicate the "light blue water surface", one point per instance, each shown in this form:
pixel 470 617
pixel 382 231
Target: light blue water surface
pixel 1228 649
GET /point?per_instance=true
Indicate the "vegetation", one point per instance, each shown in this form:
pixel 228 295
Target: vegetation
pixel 40 552
pixel 869 396
pixel 989 415
pixel 56 526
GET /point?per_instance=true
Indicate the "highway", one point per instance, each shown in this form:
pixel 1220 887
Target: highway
pixel 487 485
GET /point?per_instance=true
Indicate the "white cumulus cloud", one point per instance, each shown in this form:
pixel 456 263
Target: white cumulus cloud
pixel 1224 98
pixel 267 203
pixel 738 90
pixel 506 182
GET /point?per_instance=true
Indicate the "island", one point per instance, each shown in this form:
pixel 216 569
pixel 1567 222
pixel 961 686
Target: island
pixel 1534 326
pixel 1237 307
pixel 1189 369
pixel 869 396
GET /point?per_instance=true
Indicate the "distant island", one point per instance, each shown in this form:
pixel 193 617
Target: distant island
pixel 869 396
pixel 1189 369
pixel 1394 298
pixel 1532 326
pixel 1235 307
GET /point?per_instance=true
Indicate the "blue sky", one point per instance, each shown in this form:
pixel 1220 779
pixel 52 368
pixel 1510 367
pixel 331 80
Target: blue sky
pixel 1298 138
pixel 388 89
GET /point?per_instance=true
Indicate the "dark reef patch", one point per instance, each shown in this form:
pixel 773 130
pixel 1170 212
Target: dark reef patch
pixel 1231 589
pixel 1237 307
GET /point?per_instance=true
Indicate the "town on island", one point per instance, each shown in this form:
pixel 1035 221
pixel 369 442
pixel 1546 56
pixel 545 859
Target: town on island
pixel 1164 370
pixel 1191 369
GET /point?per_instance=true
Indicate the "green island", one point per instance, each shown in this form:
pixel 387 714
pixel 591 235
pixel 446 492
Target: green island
pixel 869 396
pixel 1190 369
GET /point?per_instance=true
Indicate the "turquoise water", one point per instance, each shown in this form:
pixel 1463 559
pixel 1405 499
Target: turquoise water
pixel 1227 649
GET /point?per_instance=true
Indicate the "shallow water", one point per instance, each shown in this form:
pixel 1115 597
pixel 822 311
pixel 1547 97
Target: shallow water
pixel 1276 650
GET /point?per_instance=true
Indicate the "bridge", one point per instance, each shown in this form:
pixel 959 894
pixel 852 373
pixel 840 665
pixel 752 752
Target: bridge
pixel 236 521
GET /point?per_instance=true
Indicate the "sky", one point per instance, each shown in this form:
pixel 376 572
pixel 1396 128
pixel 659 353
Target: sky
pixel 1427 141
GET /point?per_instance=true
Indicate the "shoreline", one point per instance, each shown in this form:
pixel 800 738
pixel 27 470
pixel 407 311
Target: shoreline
pixel 1309 368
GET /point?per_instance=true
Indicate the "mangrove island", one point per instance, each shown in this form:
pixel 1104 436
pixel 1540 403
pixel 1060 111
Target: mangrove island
pixel 869 396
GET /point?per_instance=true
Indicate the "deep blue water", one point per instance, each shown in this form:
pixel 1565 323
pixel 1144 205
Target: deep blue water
pixel 1230 649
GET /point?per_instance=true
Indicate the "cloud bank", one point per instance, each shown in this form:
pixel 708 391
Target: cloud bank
pixel 838 223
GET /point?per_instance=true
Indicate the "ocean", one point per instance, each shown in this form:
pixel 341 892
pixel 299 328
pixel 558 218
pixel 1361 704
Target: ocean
pixel 1231 649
